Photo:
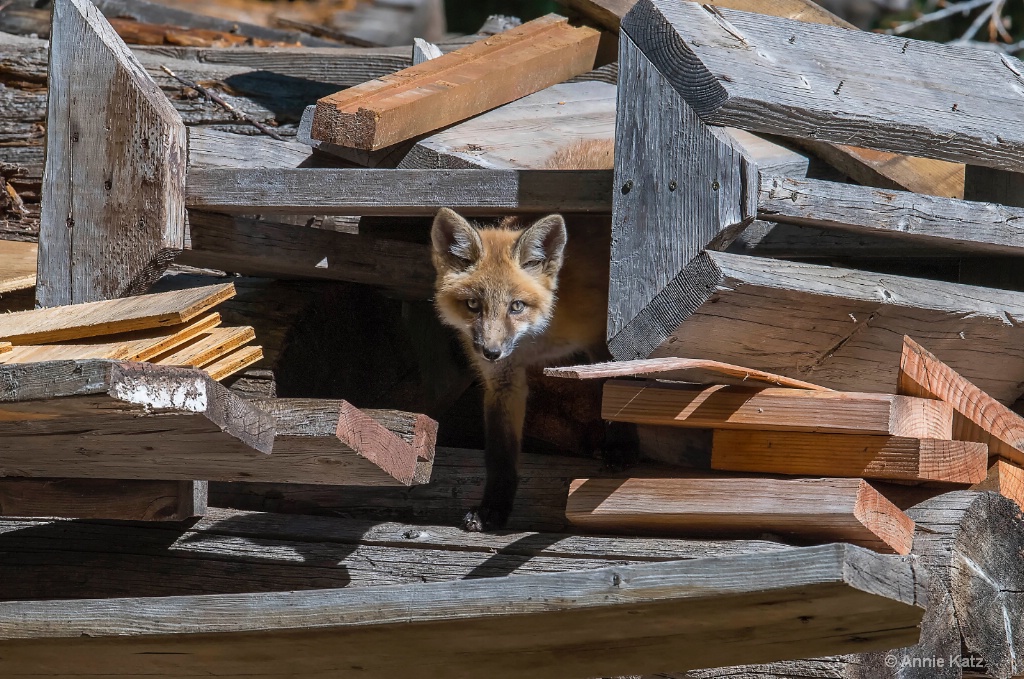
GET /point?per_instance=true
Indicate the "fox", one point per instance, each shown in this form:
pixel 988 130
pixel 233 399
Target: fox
pixel 521 297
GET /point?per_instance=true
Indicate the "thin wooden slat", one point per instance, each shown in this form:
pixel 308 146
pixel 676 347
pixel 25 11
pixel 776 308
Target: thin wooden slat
pixel 816 509
pixel 688 614
pixel 455 86
pixel 107 317
pixel 208 347
pixel 17 266
pixel 781 76
pixel 681 369
pixel 237 361
pixel 775 409
pixel 959 225
pixel 103 499
pixel 857 456
pixel 835 327
pixel 113 214
pixel 1006 478
pixel 397 192
pixel 979 417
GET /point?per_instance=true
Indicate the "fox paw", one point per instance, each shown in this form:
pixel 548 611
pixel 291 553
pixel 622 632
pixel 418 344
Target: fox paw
pixel 483 519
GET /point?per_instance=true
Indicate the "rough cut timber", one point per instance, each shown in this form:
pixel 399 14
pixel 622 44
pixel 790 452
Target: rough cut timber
pixel 397 192
pixel 1006 478
pixel 824 509
pixel 234 362
pixel 958 225
pixel 680 187
pixel 456 86
pixel 835 327
pixel 857 456
pixel 17 266
pixel 694 370
pixel 113 213
pixel 780 76
pixel 208 347
pixel 592 622
pixel 108 420
pixel 775 409
pixel 103 499
pixel 867 166
pixel 979 417
pixel 107 317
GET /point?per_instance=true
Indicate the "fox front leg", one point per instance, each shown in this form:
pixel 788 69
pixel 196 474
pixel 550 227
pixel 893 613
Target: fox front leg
pixel 505 394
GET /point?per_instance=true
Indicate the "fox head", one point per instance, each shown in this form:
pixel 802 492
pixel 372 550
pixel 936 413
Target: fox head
pixel 496 285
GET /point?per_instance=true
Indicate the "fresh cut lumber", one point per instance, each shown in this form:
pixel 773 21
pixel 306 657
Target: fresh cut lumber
pixel 457 85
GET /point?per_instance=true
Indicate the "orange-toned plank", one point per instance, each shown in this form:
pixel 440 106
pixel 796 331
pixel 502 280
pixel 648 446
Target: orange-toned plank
pixel 1006 478
pixel 236 361
pixel 208 347
pixel 697 370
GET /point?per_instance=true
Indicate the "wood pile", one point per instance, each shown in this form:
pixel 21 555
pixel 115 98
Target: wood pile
pixel 176 501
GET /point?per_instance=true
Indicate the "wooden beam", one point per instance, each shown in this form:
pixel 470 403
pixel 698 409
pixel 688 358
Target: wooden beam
pixel 848 510
pixel 256 247
pixel 842 328
pixel 113 214
pixel 686 612
pixel 857 456
pixel 1006 478
pixel 775 409
pixel 958 225
pixel 102 419
pixel 213 148
pixel 692 193
pixel 17 266
pixel 727 82
pixel 397 192
pixel 108 317
pixel 694 370
pixel 608 13
pixel 103 499
pixel 979 417
pixel 456 86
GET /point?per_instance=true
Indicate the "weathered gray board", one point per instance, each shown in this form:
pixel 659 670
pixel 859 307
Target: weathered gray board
pixel 113 214
pixel 835 327
pixel 680 187
pixel 792 78
pixel 618 620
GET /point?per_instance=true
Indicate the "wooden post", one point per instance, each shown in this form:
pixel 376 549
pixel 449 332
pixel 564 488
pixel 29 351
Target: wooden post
pixel 113 213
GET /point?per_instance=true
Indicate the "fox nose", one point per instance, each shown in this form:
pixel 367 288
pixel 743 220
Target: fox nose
pixel 491 354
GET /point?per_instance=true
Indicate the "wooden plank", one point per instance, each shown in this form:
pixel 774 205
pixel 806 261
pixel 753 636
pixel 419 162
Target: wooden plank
pixel 958 225
pixel 141 345
pixel 107 317
pixel 456 86
pixel 208 347
pixel 842 328
pixel 102 419
pixel 397 192
pixel 775 409
pixel 1006 478
pixel 680 187
pixel 871 457
pixel 979 417
pixel 682 369
pixel 803 90
pixel 277 250
pixel 5 347
pixel 235 362
pixel 103 499
pixel 847 510
pixel 608 13
pixel 113 214
pixel 687 613
pixel 17 266
pixel 213 148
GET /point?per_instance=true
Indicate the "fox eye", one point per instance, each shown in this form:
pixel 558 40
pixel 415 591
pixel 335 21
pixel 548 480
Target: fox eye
pixel 473 304
pixel 517 306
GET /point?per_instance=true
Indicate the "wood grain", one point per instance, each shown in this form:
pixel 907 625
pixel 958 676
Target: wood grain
pixel 113 214
pixel 455 86
pixel 207 347
pixel 682 369
pixel 397 192
pixel 1006 478
pixel 830 510
pixel 678 608
pixel 107 317
pixel 17 266
pixel 979 417
pixel 799 89
pixel 234 362
pixel 835 327
pixel 845 455
pixel 103 499
pixel 775 409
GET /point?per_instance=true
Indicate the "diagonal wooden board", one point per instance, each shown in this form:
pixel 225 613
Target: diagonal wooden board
pixel 107 317
pixel 208 347
pixel 697 370
pixel 17 266
pixel 234 362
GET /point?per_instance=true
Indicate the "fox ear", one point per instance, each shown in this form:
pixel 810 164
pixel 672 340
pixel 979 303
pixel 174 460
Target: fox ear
pixel 543 244
pixel 455 240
